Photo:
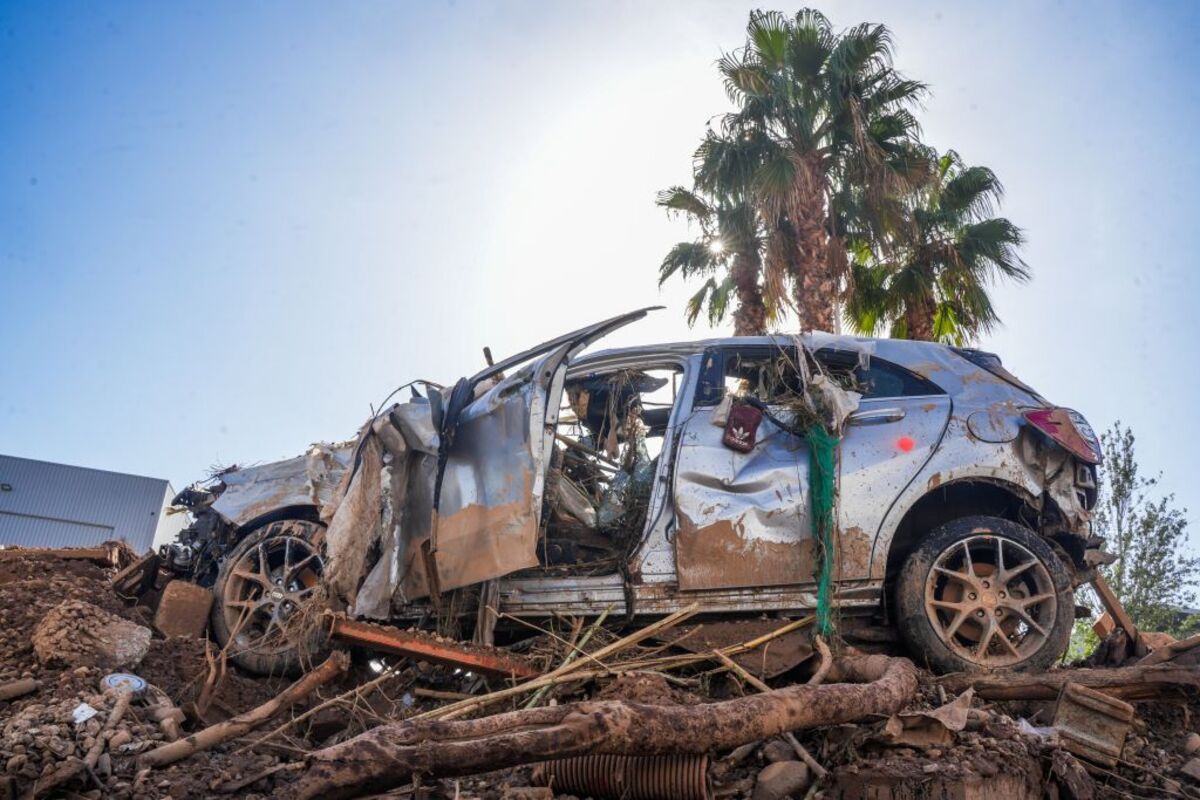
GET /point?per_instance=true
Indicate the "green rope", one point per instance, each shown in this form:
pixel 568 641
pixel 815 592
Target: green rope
pixel 822 484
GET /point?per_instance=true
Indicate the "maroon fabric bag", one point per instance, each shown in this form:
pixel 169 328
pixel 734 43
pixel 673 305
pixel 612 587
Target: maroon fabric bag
pixel 741 429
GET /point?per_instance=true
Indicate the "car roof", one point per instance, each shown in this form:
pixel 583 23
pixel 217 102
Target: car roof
pixel 906 352
pixel 936 362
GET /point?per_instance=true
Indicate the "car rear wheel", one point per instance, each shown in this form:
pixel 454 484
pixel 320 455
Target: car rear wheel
pixel 263 590
pixel 985 594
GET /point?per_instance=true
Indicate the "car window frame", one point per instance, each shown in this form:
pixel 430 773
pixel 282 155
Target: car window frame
pixel 852 357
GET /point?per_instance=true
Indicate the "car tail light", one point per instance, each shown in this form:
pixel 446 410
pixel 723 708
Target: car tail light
pixel 1070 430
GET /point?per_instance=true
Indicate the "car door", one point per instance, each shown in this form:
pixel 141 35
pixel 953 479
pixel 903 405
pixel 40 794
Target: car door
pixel 896 429
pixel 488 496
pixel 742 519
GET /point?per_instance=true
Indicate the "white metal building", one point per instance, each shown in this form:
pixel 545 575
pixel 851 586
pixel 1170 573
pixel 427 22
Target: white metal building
pixel 43 504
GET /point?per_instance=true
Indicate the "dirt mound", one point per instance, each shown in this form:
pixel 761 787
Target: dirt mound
pixel 76 633
pixel 179 667
pixel 57 608
pixel 646 688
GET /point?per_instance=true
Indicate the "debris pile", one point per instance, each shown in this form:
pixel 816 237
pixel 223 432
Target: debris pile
pixel 78 634
pixel 583 709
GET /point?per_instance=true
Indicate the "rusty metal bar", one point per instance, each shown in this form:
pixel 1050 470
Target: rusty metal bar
pixel 426 647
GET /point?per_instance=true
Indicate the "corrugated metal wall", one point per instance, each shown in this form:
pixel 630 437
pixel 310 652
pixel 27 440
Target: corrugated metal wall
pixel 55 505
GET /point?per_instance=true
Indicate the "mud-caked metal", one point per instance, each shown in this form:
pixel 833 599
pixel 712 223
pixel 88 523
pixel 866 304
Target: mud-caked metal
pixel 951 502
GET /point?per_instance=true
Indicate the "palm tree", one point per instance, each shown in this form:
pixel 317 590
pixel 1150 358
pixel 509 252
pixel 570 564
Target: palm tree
pixel 728 243
pixel 935 284
pixel 827 119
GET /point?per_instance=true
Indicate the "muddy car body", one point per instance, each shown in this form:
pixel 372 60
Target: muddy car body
pixel 962 514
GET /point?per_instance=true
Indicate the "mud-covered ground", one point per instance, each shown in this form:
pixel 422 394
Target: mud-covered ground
pixel 994 757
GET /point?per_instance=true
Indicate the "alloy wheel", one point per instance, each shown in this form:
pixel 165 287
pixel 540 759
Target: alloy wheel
pixel 991 600
pixel 266 591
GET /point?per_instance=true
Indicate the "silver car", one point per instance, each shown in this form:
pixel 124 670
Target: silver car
pixel 628 480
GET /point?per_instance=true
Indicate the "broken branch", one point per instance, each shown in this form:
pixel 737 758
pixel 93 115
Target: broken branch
pixel 244 723
pixel 550 678
pixel 390 754
pixel 1164 653
pixel 1128 683
pixel 575 650
pixel 804 755
pixel 14 689
pixel 75 766
pixel 357 691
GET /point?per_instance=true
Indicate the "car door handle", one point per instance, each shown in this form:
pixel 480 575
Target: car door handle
pixel 877 416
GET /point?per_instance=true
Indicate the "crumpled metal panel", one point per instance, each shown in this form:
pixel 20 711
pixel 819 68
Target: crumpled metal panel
pixel 307 480
pixel 743 518
pixel 491 495
pixel 406 505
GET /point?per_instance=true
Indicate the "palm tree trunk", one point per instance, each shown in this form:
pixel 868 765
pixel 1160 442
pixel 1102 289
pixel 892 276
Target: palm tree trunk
pixel 814 283
pixel 750 318
pixel 918 319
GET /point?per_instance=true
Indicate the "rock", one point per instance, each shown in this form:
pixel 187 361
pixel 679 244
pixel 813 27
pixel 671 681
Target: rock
pixel 1192 743
pixel 183 610
pixel 1192 769
pixel 781 780
pixel 75 633
pixel 778 750
pixel 527 793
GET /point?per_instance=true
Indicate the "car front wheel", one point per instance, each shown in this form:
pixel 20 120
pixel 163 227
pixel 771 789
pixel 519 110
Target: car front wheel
pixel 985 594
pixel 263 599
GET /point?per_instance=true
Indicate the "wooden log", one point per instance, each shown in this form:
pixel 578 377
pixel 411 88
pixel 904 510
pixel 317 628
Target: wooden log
pixel 389 755
pixel 788 736
pixel 357 693
pixel 1158 656
pixel 1128 683
pixel 244 723
pixel 15 689
pixel 1113 606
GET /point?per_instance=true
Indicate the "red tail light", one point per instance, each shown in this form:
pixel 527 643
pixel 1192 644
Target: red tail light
pixel 1070 430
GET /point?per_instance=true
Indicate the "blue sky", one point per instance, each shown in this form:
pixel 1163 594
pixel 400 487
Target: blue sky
pixel 227 228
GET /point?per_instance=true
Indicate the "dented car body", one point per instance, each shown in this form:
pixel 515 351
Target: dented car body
pixel 572 484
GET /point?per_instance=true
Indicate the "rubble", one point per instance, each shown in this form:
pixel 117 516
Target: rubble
pixel 781 780
pixel 77 634
pixel 693 722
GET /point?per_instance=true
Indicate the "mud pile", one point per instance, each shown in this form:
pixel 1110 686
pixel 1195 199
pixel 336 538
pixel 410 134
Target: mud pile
pixel 62 630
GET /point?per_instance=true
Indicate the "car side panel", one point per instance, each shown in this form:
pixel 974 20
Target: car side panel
pixel 887 442
pixel 743 518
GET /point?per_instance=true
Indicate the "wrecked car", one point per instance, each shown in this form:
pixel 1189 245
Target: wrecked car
pixel 641 480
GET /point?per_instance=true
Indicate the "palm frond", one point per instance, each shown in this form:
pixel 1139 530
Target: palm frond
pixel 683 201
pixel 687 259
pixel 992 245
pixel 971 193
pixel 863 49
pixel 696 302
pixel 768 34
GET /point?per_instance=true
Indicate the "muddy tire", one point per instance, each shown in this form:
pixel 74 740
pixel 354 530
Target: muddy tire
pixel 984 594
pixel 264 587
